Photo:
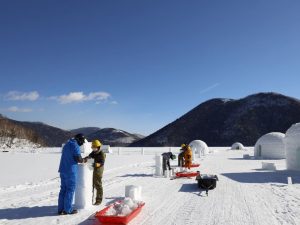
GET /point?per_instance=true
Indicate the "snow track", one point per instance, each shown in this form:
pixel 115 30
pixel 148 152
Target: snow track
pixel 242 196
pixel 46 194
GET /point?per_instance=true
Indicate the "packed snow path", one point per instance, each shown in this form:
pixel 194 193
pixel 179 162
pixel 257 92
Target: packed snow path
pixel 245 194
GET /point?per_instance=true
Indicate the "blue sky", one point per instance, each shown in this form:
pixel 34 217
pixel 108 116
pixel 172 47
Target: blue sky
pixel 139 65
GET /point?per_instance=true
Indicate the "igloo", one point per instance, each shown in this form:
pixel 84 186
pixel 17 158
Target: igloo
pixel 237 146
pixel 199 147
pixel 292 147
pixel 271 146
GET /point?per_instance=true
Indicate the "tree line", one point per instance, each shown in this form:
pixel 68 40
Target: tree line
pixel 10 131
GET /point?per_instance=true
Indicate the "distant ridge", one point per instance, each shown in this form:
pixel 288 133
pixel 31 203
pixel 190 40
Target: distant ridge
pixel 11 132
pixel 221 122
pixel 49 136
pixel 85 130
pixel 114 137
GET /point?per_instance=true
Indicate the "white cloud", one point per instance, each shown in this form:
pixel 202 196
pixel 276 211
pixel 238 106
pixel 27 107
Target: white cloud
pixel 114 103
pixel 98 96
pixel 17 109
pixel 81 97
pixel 71 97
pixel 22 96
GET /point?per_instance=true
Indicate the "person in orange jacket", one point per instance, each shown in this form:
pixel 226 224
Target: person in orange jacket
pixel 188 153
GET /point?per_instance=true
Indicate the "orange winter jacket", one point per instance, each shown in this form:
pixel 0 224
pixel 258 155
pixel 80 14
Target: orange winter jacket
pixel 188 153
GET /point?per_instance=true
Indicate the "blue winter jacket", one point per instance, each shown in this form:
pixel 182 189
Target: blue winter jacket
pixel 68 162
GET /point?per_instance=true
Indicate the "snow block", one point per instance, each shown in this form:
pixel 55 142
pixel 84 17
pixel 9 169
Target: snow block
pixel 84 187
pixel 106 149
pixel 117 220
pixel 246 156
pixel 268 166
pixel 158 165
pixel 133 192
pixel 171 172
pixel 167 174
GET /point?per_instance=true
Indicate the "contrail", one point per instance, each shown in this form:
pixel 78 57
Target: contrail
pixel 209 88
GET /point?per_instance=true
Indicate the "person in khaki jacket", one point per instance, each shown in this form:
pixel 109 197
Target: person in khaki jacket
pixel 99 160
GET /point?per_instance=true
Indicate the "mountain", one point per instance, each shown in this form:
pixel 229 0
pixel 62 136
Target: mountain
pixel 221 122
pixel 85 130
pixel 114 137
pixel 12 134
pixel 51 136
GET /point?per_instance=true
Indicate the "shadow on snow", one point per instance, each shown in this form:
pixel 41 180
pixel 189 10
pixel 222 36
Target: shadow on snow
pixel 255 158
pixel 264 176
pixel 194 189
pixel 137 175
pixel 28 212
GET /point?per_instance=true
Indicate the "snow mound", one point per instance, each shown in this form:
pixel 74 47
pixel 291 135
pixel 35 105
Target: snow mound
pixel 292 145
pixel 237 146
pixel 271 146
pixel 199 147
pixel 123 208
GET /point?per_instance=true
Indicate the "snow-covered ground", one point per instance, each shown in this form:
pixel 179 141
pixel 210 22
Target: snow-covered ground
pixel 245 194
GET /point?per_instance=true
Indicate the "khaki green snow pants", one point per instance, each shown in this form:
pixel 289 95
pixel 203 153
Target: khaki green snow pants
pixel 97 183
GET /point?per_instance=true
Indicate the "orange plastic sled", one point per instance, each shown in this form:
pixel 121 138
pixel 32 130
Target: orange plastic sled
pixel 195 165
pixel 117 220
pixel 187 174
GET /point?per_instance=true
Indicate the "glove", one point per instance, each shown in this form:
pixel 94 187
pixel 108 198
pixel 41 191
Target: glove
pixel 84 160
pixel 97 165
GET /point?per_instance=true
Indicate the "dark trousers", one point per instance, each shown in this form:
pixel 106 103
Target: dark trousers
pixel 180 159
pixel 166 163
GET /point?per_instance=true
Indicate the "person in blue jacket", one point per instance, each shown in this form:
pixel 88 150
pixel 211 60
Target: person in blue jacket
pixel 68 172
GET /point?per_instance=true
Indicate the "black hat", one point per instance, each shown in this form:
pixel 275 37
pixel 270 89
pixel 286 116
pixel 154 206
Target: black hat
pixel 79 138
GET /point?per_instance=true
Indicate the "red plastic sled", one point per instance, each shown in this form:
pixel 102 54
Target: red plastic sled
pixel 195 165
pixel 117 220
pixel 187 174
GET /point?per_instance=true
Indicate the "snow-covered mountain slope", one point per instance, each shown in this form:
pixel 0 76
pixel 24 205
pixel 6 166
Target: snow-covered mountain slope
pixel 244 195
pixel 46 135
pixel 114 137
pixel 11 144
pixel 221 122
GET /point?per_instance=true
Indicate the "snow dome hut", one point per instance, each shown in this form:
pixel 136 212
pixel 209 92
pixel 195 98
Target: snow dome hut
pixel 292 147
pixel 237 146
pixel 271 146
pixel 199 147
